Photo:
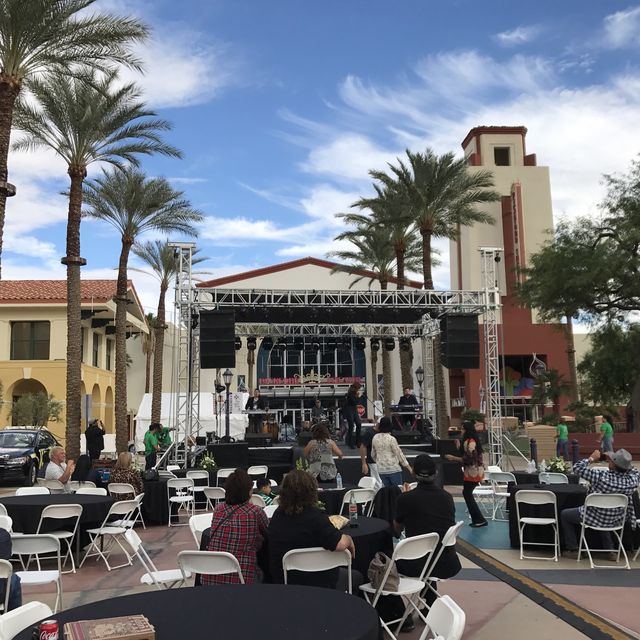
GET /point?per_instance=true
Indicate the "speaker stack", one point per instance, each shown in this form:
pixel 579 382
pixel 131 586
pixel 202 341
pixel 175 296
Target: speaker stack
pixel 217 340
pixel 460 341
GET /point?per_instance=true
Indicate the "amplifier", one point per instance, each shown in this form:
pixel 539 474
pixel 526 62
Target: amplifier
pixel 258 439
pixel 407 437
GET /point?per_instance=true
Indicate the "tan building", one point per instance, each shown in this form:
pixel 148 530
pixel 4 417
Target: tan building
pixel 33 344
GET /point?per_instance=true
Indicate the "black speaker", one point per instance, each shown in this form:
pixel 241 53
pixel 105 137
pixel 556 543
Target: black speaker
pixel 460 341
pixel 407 437
pixel 230 455
pixel 217 339
pixel 304 438
pixel 258 439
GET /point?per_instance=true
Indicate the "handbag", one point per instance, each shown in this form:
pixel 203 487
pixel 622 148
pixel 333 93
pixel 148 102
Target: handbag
pixel 150 474
pixel 378 569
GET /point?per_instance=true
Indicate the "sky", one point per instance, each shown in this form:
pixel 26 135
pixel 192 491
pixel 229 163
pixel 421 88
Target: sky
pixel 282 107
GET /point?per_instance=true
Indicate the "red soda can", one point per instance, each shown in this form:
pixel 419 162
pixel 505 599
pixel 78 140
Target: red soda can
pixel 49 630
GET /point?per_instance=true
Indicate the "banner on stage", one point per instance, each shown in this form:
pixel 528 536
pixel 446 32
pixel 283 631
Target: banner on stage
pixel 311 378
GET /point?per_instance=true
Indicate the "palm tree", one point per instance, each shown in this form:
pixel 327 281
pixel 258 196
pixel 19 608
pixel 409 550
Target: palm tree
pixel 133 204
pixel 162 260
pixel 38 37
pixel 85 120
pixel 441 194
pixel 148 348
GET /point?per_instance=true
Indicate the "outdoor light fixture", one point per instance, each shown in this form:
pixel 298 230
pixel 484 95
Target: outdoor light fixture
pixel 315 344
pixel 360 344
pixel 298 343
pixel 227 377
pixel 405 344
pixel 281 344
pixel 420 375
pixel 238 343
pixel 389 344
pixel 375 344
pixel 251 343
pixel 267 343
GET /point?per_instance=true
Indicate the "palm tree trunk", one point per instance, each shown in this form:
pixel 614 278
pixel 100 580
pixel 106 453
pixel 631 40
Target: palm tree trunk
pixel 147 367
pixel 571 356
pixel 73 261
pixel 122 431
pixel 426 259
pixel 387 375
pixel 406 357
pixel 156 398
pixel 374 374
pixel 9 90
pixel 251 360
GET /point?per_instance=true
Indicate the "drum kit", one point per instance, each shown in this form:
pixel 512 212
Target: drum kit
pixel 270 426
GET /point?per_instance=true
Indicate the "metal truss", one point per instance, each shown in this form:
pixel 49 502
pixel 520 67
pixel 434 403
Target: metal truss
pixel 245 329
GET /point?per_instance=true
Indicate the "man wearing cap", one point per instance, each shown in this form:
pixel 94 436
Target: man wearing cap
pixel 621 477
pixel 427 509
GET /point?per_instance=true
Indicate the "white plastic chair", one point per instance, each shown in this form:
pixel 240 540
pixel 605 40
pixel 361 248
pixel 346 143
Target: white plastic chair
pixel 6 523
pixel 269 510
pixel 448 540
pixel 167 578
pixel 37 544
pixel 13 622
pixel 6 570
pixel 163 474
pixel 196 475
pixel 214 495
pixel 113 534
pixel 316 559
pixel 409 589
pixel 276 501
pixel 198 524
pixel 125 489
pixel 91 491
pixel 445 620
pixel 258 470
pixel 551 477
pixel 223 474
pixel 3 510
pixel 32 491
pixel 538 498
pixel 211 563
pixel 363 497
pixel 183 498
pixel 257 500
pixel 63 512
pixel 173 467
pixel 500 481
pixel 610 502
pixel 74 485
pixel 367 482
pixel 54 486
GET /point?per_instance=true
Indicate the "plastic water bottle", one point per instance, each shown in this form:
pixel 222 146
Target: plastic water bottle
pixel 339 481
pixel 353 511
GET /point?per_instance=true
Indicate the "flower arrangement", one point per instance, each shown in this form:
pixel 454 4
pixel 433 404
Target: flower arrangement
pixel 558 465
pixel 302 464
pixel 207 462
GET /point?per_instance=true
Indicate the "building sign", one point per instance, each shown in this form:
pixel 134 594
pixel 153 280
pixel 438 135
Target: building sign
pixel 311 378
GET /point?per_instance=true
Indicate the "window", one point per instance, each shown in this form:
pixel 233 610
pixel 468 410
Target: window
pixel 109 355
pixel 502 156
pixel 96 350
pixel 30 340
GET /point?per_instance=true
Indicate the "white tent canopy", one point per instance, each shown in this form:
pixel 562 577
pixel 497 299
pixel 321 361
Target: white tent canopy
pixel 208 422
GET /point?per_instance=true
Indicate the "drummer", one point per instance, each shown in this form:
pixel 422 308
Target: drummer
pixel 255 403
pixel 317 412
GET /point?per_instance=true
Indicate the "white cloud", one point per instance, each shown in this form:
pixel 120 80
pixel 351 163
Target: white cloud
pixel 240 231
pixel 517 36
pixel 622 29
pixel 188 181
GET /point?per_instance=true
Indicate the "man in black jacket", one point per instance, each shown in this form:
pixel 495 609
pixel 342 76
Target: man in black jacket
pixel 95 438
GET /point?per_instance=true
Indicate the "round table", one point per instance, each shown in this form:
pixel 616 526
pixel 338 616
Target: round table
pixel 331 496
pixel 370 536
pixel 523 477
pixel 238 612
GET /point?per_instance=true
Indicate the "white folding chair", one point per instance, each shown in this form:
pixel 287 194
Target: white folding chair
pixel 37 544
pixel 223 474
pixel 409 589
pixel 276 501
pixel 125 489
pixel 74 485
pixel 269 510
pixel 6 571
pixel 6 523
pixel 500 482
pixel 32 491
pixel 3 510
pixel 363 497
pixel 17 620
pixel 167 578
pixel 210 563
pixel 448 540
pixel 183 498
pixel 54 486
pixel 71 512
pixel 173 467
pixel 198 524
pixel 609 502
pixel 199 475
pixel 367 482
pixel 494 468
pixel 445 620
pixel 91 491
pixel 163 474
pixel 258 471
pixel 214 495
pixel 316 559
pixel 257 500
pixel 551 477
pixel 538 498
pixel 113 534
pixel 483 495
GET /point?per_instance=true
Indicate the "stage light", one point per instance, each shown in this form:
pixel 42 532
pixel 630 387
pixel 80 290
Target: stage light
pixel 251 343
pixel 405 344
pixel 375 344
pixel 267 343
pixel 298 343
pixel 389 344
pixel 281 345
pixel 315 344
pixel 360 344
pixel 238 343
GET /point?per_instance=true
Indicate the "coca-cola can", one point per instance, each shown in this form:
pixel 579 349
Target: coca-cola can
pixel 49 630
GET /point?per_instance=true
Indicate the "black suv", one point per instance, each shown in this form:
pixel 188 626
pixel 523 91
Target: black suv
pixel 24 450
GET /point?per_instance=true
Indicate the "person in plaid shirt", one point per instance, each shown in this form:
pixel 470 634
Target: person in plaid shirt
pixel 621 477
pixel 238 527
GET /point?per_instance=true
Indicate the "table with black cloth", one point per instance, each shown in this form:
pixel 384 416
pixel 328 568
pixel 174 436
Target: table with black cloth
pixel 198 612
pixel 155 507
pixel 568 496
pixel 522 477
pixel 370 536
pixel 331 496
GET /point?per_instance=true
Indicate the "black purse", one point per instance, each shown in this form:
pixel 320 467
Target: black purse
pixel 150 474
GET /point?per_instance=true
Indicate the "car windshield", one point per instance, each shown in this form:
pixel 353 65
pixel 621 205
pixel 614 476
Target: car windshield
pixel 13 440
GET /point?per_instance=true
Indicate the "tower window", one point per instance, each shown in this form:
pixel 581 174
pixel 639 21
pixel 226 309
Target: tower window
pixel 502 156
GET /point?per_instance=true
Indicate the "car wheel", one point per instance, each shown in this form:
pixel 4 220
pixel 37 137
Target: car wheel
pixel 32 474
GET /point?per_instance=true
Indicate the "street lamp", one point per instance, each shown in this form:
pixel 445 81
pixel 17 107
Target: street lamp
pixel 420 378
pixel 226 377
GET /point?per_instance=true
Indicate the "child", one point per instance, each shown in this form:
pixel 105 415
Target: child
pixel 263 489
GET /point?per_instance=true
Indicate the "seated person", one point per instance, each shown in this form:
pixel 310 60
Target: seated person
pixel 125 474
pixel 58 469
pixel 238 527
pixel 263 489
pixel 317 412
pixel 299 524
pixel 15 593
pixel 427 509
pixel 319 452
pixel 84 471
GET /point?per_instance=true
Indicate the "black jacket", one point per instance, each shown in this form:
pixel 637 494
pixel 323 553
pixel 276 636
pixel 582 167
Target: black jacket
pixel 95 438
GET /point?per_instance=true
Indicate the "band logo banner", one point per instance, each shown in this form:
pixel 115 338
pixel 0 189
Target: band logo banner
pixel 310 379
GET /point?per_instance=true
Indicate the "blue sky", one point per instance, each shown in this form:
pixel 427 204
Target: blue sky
pixel 281 107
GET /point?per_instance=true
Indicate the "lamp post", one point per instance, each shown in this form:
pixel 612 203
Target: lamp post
pixel 226 377
pixel 420 378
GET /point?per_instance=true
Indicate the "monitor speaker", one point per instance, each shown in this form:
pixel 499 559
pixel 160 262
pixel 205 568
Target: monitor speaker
pixel 407 437
pixel 232 455
pixel 217 339
pixel 257 439
pixel 460 341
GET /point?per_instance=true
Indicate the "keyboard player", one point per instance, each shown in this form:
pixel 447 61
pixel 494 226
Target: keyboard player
pixel 258 404
pixel 407 406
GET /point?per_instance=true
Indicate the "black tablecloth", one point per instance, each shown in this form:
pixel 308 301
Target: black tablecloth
pixel 370 536
pixel 155 507
pixel 332 496
pixel 522 477
pixel 238 612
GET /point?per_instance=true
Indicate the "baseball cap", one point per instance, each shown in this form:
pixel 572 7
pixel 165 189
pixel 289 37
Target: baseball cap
pixel 424 468
pixel 621 458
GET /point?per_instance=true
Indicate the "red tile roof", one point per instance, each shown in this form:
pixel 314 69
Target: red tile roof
pixel 293 264
pixel 55 291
